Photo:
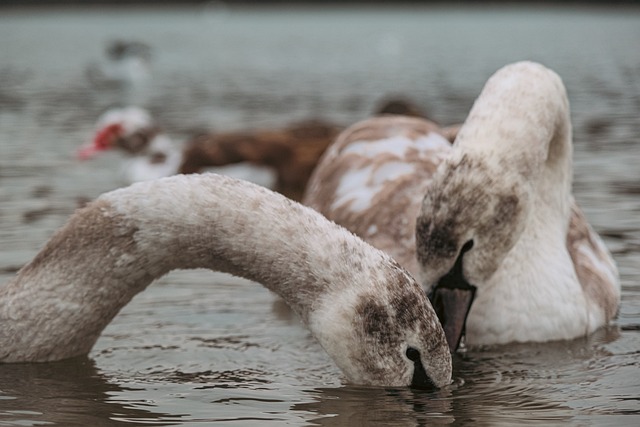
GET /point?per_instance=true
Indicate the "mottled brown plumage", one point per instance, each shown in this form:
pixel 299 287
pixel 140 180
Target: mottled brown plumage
pixel 541 271
pixel 389 223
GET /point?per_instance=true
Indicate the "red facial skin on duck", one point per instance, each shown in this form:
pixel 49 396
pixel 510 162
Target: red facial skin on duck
pixel 104 140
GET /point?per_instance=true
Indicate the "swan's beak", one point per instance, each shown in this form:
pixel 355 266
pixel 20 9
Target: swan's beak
pixel 420 378
pixel 451 299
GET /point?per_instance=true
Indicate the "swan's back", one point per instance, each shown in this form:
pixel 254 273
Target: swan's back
pixel 372 179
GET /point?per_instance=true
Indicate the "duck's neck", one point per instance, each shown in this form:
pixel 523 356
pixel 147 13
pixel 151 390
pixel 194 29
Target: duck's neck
pixel 57 305
pixel 521 125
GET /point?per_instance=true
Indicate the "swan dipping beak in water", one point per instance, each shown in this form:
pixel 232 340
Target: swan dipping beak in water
pixel 366 311
pixel 488 224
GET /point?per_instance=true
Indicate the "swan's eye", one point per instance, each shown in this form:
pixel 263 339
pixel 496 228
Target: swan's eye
pixel 413 354
pixel 466 247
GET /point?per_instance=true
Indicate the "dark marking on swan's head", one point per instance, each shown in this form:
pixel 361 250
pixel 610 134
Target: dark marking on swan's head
pixel 443 240
pixel 377 322
pixel 402 303
pixel 469 200
pixel 392 323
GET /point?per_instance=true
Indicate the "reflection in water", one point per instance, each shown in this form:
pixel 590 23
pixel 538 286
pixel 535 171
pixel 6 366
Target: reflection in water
pixel 367 406
pixel 67 393
pixel 531 382
pixel 494 386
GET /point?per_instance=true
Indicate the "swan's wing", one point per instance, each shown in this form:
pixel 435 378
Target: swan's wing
pixel 595 268
pixel 373 178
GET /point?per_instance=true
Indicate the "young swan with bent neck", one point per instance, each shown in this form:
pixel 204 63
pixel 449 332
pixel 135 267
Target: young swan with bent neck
pixel 366 311
pixel 488 224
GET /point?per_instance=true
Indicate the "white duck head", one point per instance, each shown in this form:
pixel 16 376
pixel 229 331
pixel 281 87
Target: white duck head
pixel 130 129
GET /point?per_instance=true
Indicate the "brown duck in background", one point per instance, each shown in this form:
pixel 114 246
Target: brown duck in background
pixel 292 152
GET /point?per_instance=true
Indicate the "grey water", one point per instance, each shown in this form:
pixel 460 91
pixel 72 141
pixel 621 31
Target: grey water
pixel 199 348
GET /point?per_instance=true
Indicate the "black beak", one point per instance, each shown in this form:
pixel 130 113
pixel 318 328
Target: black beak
pixel 451 299
pixel 420 378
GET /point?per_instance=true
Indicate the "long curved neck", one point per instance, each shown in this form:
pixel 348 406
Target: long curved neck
pixel 521 123
pixel 57 305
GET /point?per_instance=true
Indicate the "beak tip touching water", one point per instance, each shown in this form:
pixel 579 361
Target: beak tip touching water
pixel 452 305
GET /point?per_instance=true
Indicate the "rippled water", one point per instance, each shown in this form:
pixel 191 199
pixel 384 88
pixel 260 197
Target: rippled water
pixel 200 348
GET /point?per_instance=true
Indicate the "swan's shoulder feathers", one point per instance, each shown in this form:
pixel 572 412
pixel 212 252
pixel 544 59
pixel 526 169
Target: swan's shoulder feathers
pixel 595 268
pixel 372 179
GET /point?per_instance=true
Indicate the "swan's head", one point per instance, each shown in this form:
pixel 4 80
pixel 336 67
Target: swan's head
pixel 385 335
pixel 468 223
pixel 130 129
